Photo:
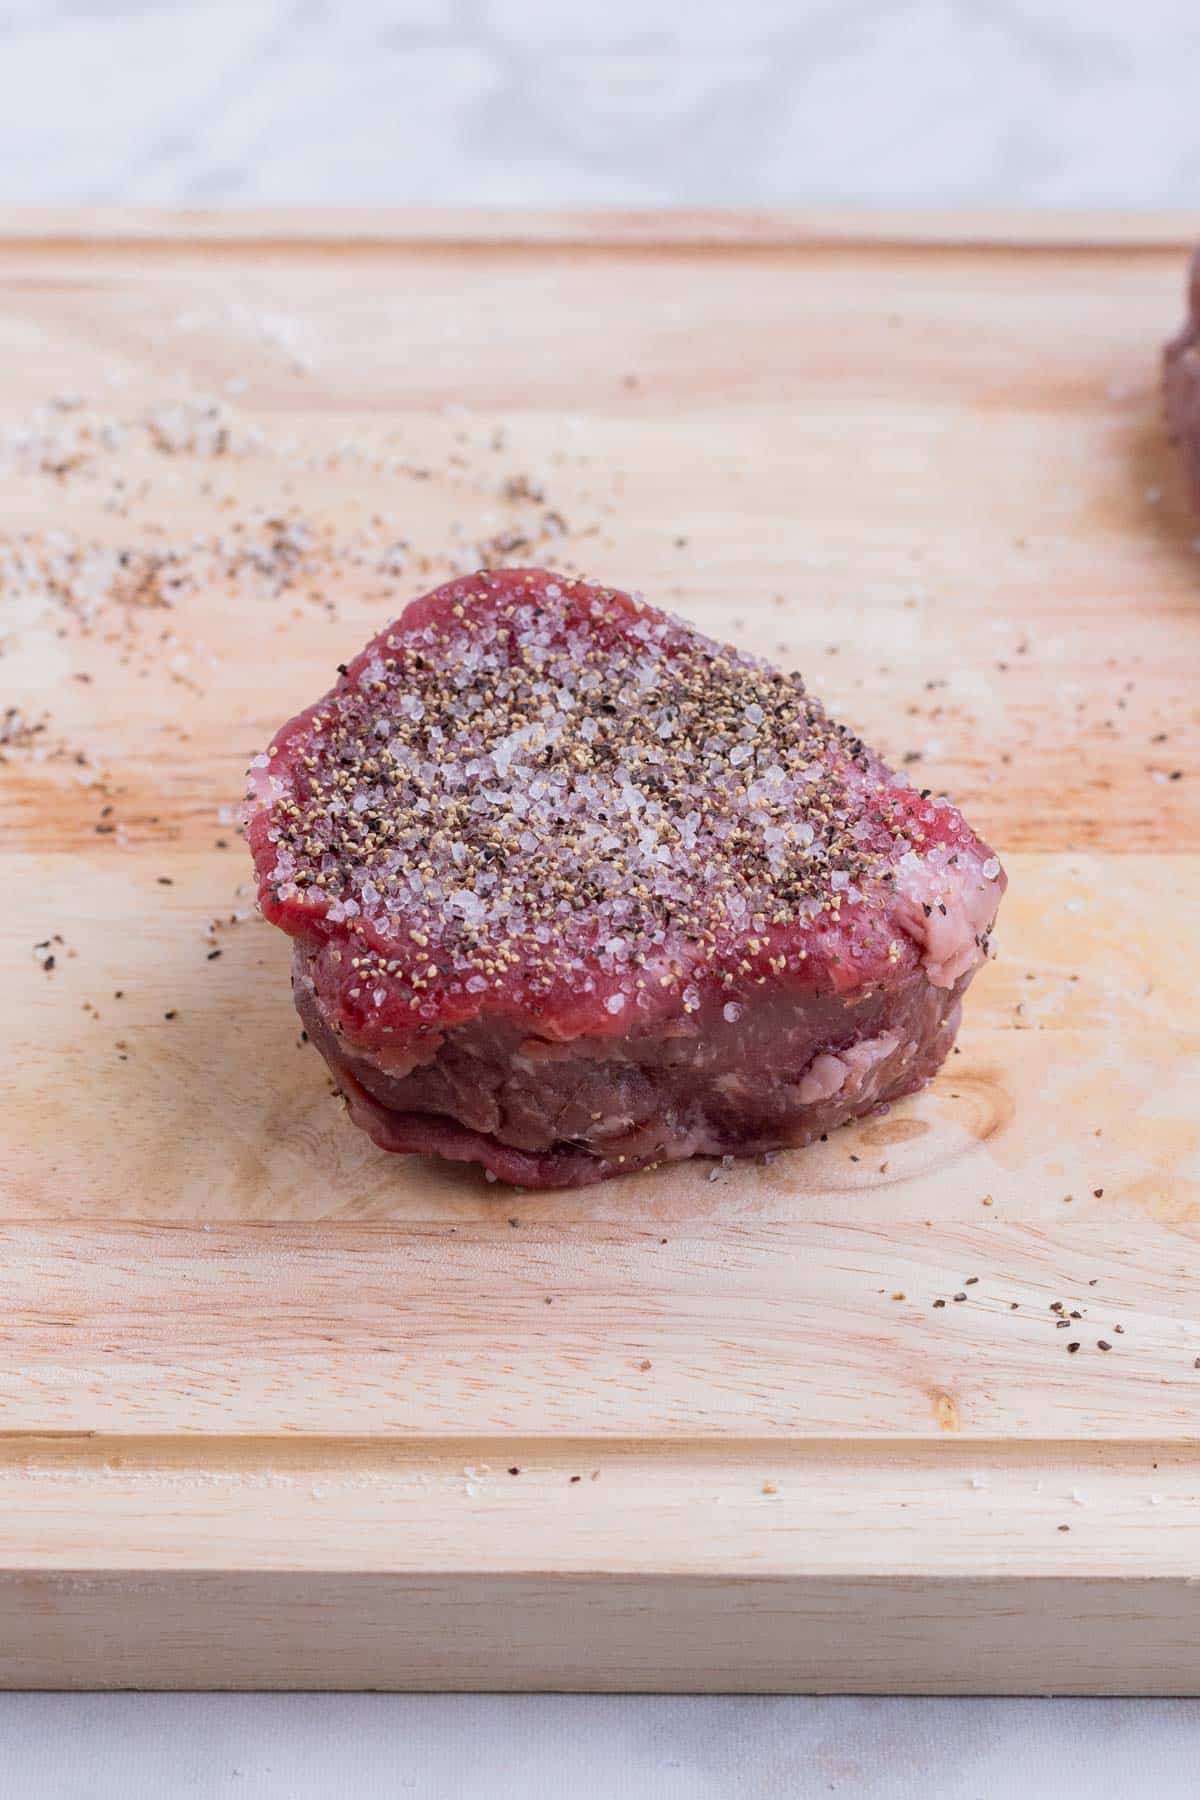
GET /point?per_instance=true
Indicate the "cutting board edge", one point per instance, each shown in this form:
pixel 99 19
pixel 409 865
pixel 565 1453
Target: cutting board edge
pixel 64 228
pixel 547 1633
pixel 956 1509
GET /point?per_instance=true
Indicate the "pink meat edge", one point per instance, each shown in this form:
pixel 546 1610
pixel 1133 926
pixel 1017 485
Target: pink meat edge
pixel 427 1134
pixel 424 1134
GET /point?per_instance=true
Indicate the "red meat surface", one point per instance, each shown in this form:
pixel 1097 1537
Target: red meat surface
pixel 574 889
pixel 1181 382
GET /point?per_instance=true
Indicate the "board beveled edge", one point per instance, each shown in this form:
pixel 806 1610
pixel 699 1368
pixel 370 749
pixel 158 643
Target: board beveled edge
pixel 347 228
pixel 956 1509
pixel 279 1564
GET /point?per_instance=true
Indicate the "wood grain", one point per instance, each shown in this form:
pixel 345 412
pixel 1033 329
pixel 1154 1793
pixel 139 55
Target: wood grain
pixel 254 1369
pixel 758 1330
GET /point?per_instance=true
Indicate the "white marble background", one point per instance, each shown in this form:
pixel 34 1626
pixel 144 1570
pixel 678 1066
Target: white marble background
pixel 547 102
pixel 542 102
pixel 569 1747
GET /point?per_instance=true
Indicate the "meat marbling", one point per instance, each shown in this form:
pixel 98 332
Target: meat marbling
pixel 574 889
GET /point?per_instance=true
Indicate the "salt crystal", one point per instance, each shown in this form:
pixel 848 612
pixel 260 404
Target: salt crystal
pixel 615 1003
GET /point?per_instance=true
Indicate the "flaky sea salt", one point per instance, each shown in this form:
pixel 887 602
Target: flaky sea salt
pixel 552 796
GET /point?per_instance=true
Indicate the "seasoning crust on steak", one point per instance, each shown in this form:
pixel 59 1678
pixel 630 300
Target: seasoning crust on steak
pixel 574 889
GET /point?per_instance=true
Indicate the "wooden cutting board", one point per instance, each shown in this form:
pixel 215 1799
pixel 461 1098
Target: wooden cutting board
pixel 279 1410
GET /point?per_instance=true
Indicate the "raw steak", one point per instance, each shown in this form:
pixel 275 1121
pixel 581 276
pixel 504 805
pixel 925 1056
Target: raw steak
pixel 1181 382
pixel 575 889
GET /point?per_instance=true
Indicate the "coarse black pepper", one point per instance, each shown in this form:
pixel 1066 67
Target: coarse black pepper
pixel 545 776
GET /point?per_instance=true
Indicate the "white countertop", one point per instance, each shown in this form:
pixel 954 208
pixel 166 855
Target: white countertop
pixel 1072 102
pixel 540 102
pixel 486 1747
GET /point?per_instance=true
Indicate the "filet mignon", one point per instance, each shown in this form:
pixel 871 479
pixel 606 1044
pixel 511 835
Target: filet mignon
pixel 1181 382
pixel 574 889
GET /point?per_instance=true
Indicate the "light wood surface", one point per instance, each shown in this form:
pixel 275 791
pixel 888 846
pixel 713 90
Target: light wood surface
pixel 312 227
pixel 261 1385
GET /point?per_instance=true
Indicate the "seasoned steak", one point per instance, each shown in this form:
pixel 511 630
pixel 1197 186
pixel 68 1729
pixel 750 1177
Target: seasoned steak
pixel 575 889
pixel 1181 382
